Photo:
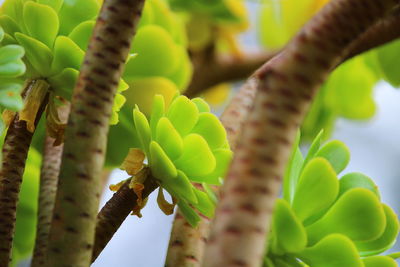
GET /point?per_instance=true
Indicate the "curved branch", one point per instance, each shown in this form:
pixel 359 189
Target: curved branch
pixel 115 211
pixel 286 86
pixel 15 151
pixel 209 72
pixel 74 221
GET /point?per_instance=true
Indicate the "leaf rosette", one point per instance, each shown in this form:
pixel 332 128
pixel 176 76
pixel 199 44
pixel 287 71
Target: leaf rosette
pixel 186 150
pixel 325 221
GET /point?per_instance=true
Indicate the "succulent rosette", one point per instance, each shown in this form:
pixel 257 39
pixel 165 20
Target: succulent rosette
pixel 184 144
pixel 161 66
pixel 323 221
pixel 11 68
pixel 55 35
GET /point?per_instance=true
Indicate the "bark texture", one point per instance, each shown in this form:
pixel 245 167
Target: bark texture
pixel 73 225
pixel 47 191
pixel 187 244
pixel 47 194
pixel 15 151
pixel 115 211
pixel 286 87
pixel 211 70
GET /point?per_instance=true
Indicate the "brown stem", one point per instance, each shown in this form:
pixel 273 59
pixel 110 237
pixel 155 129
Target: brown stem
pixel 209 72
pixel 115 211
pixel 187 244
pixel 287 84
pixel 73 225
pixel 47 191
pixel 212 70
pixel 15 151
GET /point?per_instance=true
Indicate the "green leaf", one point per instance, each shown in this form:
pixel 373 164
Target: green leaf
pixel 119 101
pixel 66 55
pixel 316 190
pixel 292 170
pixel 161 166
pixel 9 25
pixel 1 33
pixel 386 57
pixel 202 105
pixel 11 65
pixel 55 4
pixel 182 74
pixel 357 214
pixel 314 147
pixel 64 82
pixel 182 187
pixel 41 21
pixel 190 215
pixel 143 128
pixel 197 158
pixel 10 53
pixel 222 157
pixel 379 261
pixel 82 33
pixel 10 96
pixel 333 251
pixel 355 180
pixel 157 53
pixel 386 240
pixel 290 234
pixel 37 53
pixel 74 12
pixel 183 114
pixel 211 129
pixel 337 153
pixel 168 138
pixel 157 112
pixel 204 204
pixel 210 193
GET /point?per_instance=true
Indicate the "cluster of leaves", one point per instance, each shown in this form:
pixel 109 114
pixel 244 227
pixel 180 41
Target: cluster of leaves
pixel 184 144
pixel 325 221
pixel 11 68
pixel 55 36
pixel 162 66
pixel 208 21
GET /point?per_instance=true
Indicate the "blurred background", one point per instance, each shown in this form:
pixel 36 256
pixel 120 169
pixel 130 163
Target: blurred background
pixel 373 139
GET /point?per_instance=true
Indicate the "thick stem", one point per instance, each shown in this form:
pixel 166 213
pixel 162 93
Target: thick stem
pixel 73 226
pixel 15 152
pixel 115 211
pixel 187 244
pixel 286 87
pixel 47 192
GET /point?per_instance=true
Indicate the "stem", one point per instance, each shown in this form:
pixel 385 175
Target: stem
pixel 15 152
pixel 73 226
pixel 114 212
pixel 212 71
pixel 287 84
pixel 47 192
pixel 187 244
